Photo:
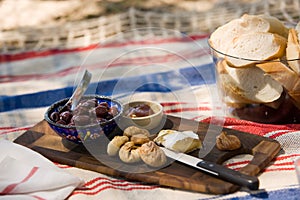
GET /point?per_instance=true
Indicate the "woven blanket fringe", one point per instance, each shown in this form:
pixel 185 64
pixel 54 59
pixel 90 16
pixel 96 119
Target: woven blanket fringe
pixel 140 23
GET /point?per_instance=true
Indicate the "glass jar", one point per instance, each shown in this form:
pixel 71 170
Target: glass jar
pixel 263 91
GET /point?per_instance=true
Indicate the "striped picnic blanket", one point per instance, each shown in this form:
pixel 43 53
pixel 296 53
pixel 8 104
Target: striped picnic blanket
pixel 177 71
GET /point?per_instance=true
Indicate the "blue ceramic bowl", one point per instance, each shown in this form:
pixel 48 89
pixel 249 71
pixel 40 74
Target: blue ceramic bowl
pixel 80 134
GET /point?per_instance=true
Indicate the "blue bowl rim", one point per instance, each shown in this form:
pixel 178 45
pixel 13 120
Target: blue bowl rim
pixel 55 104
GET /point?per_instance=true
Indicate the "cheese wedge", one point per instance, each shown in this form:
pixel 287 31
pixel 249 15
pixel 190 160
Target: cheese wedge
pixel 180 141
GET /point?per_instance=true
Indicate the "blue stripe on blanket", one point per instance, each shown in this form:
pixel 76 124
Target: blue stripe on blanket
pixel 292 193
pixel 157 82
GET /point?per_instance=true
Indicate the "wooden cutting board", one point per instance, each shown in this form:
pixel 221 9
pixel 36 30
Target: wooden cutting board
pixel 44 140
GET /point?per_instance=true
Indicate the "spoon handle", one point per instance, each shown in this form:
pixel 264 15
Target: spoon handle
pixel 80 90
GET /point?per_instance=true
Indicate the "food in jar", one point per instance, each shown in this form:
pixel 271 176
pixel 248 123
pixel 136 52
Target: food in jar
pixel 223 37
pixel 258 66
pixel 250 85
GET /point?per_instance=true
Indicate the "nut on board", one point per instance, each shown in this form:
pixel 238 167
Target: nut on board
pixel 225 142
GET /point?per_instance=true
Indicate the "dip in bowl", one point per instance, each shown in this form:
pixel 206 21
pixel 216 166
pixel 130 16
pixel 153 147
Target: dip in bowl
pixel 143 114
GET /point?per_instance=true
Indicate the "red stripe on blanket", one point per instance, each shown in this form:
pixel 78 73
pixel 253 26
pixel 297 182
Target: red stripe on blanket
pixel 5 128
pixel 74 69
pixel 11 187
pixel 176 110
pixel 284 157
pixel 272 170
pixel 18 78
pixel 165 104
pixel 255 128
pixel 33 54
pixel 37 197
pixel 62 166
pixel 245 162
pixel 100 184
pixel 116 184
pixel 90 182
pixel 274 166
pixel 146 59
pixel 171 103
pixel 113 181
pixel 279 169
pixel 15 130
pixel 87 192
pixel 283 164
pixel 279 134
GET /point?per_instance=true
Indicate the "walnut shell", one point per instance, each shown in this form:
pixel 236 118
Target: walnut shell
pixel 152 155
pixel 129 153
pixel 139 139
pixel 115 144
pixel 133 130
pixel 226 142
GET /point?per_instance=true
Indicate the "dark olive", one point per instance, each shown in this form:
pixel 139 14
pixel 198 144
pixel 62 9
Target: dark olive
pixel 104 103
pixel 81 120
pixel 88 111
pixel 54 116
pixel 113 110
pixel 66 116
pixel 91 103
pixel 61 122
pixel 101 110
pixel 81 110
pixel 101 120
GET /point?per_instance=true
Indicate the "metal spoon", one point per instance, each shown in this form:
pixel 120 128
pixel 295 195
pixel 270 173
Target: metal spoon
pixel 79 91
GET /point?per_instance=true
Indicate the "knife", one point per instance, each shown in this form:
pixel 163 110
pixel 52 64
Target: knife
pixel 214 169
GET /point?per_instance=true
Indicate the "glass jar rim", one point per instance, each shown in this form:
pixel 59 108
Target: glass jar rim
pixel 249 59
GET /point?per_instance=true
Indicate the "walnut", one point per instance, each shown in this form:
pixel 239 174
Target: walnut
pixel 152 155
pixel 129 153
pixel 133 130
pixel 227 142
pixel 139 139
pixel 115 144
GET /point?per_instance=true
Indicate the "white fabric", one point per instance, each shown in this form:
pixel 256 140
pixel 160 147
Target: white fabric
pixel 23 171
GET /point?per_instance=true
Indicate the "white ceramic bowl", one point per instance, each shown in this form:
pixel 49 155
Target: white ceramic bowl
pixel 150 122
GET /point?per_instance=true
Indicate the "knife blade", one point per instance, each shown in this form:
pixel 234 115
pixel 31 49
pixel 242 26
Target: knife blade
pixel 219 171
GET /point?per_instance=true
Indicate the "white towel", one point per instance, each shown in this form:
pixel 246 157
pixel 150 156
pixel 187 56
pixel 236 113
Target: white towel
pixel 25 174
